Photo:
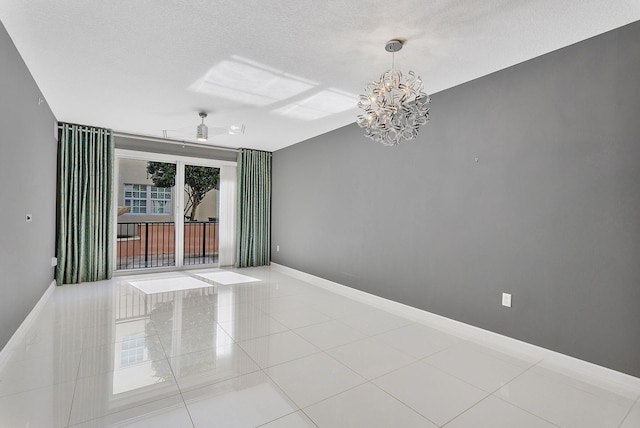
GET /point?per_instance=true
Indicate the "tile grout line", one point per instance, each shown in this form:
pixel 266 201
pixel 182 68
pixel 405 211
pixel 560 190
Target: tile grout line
pixel 493 394
pixel 284 416
pixel 75 384
pixel 636 403
pixel 466 410
pixel 403 403
pixel 184 403
pixel 321 351
pixel 456 376
pixel 585 391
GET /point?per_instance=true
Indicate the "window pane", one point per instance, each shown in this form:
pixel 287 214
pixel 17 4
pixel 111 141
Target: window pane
pixel 160 200
pixel 135 196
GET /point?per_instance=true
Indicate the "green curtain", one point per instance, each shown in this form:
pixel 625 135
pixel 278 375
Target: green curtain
pixel 85 204
pixel 253 225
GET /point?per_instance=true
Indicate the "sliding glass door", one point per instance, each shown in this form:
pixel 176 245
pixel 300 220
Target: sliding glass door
pixel 169 211
pixel 145 232
pixel 201 186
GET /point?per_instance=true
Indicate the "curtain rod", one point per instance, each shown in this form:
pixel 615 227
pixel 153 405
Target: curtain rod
pixel 162 140
pixel 172 141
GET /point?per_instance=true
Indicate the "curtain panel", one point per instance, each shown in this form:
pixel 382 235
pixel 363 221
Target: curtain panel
pixel 253 225
pixel 85 204
pixel 227 213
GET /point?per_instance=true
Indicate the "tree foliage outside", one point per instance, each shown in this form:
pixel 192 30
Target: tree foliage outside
pixel 198 181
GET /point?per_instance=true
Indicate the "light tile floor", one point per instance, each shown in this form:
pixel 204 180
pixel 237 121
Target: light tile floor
pixel 275 353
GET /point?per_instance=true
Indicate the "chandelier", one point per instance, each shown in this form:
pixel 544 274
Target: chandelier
pixel 395 106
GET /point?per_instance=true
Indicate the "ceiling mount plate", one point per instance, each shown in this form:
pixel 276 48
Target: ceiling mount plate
pixel 393 45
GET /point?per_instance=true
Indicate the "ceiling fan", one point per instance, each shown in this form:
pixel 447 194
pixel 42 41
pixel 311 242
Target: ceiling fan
pixel 202 131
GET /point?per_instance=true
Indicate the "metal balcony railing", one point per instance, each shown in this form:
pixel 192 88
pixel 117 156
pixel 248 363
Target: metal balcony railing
pixel 152 244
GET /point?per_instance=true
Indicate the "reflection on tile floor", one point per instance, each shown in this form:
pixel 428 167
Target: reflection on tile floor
pixel 256 348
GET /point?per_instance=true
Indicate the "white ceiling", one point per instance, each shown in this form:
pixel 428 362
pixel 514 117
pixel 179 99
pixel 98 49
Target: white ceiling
pixel 287 70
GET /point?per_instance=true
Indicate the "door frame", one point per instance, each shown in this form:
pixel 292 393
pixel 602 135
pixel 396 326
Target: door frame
pixel 178 202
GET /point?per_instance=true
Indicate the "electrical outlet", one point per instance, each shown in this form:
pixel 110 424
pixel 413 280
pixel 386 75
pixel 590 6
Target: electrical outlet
pixel 506 300
pixel 54 261
pixel 278 248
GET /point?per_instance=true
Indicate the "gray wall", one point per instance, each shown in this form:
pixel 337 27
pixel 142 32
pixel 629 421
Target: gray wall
pixel 550 212
pixel 28 175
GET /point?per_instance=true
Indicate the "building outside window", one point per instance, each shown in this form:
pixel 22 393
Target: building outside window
pixel 147 199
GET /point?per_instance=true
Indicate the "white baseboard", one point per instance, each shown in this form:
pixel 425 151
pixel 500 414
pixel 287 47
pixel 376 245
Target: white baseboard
pixel 22 330
pixel 546 357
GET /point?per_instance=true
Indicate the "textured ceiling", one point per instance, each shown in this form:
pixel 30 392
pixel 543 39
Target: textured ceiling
pixel 286 70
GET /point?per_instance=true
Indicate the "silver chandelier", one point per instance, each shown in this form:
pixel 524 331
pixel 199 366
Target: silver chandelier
pixel 395 107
